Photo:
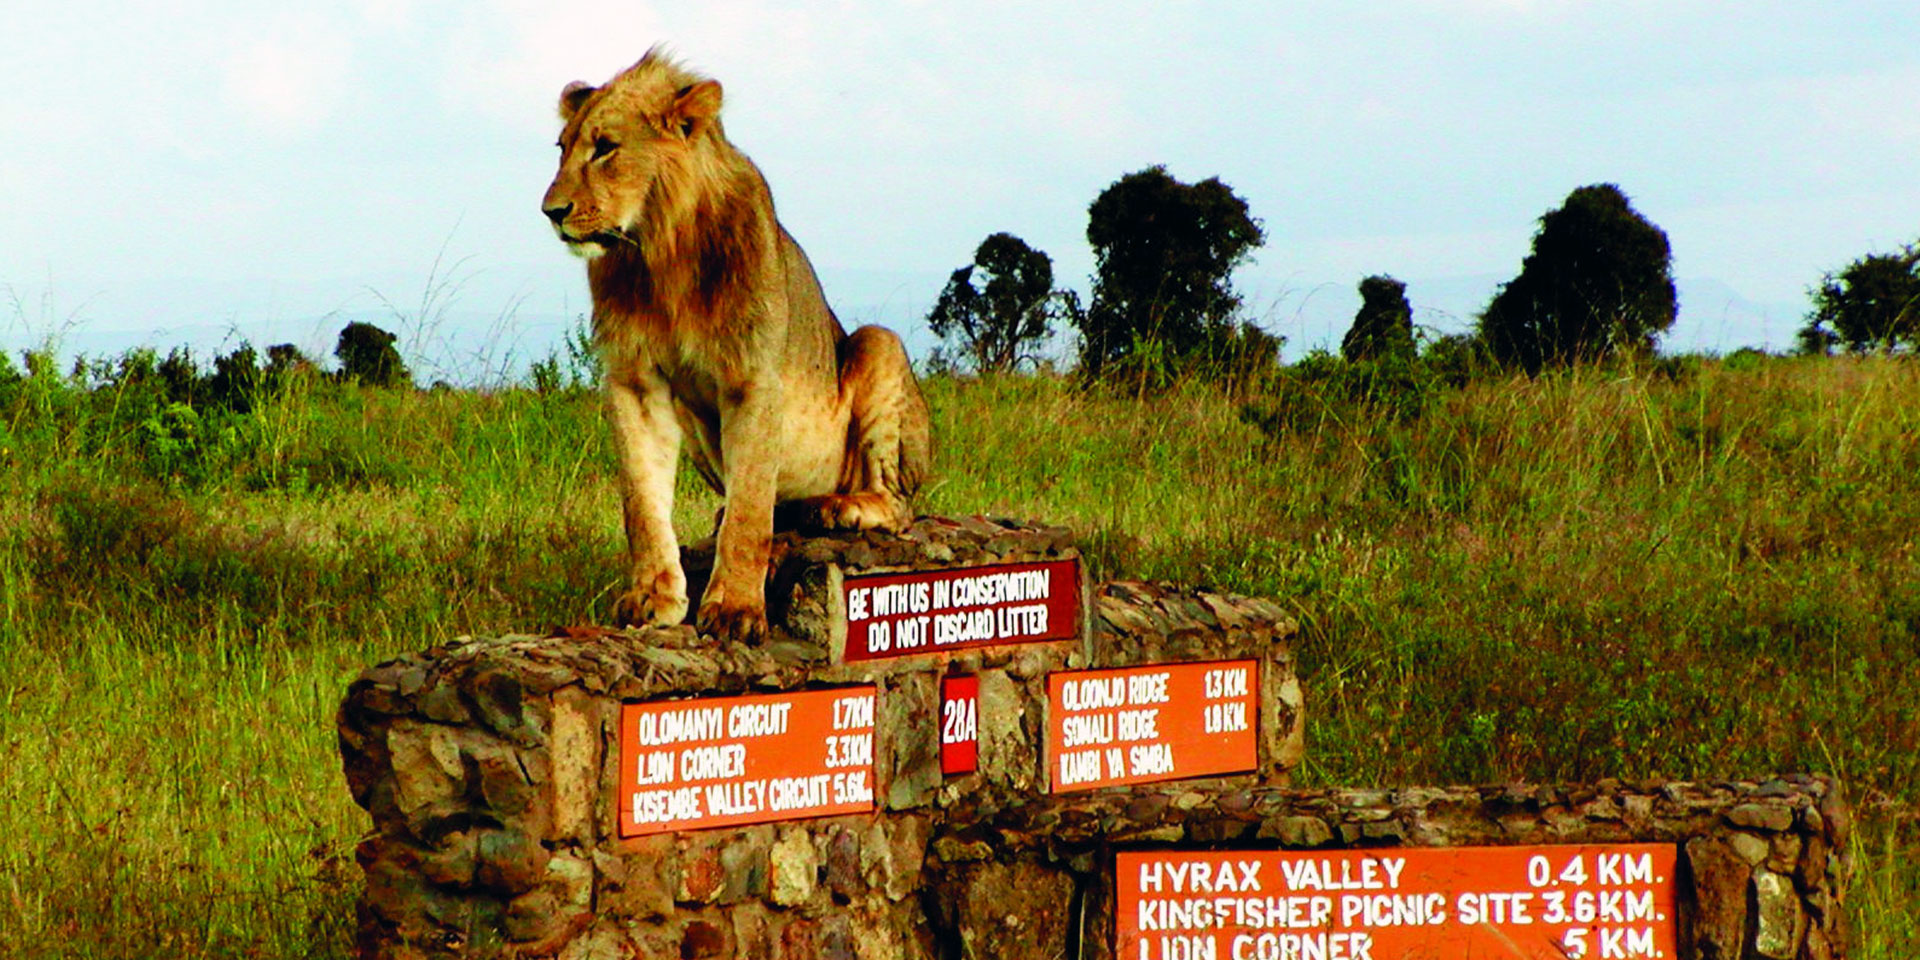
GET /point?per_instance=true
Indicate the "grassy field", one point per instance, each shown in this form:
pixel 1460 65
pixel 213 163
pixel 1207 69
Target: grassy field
pixel 1701 570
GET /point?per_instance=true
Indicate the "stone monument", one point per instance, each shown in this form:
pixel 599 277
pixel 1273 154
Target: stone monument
pixel 954 745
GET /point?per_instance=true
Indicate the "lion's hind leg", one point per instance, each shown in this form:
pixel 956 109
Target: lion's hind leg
pixel 888 440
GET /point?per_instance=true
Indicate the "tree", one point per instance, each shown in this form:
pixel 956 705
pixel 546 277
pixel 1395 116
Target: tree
pixel 997 326
pixel 1163 251
pixel 181 375
pixel 1873 304
pixel 286 364
pixel 1814 340
pixel 366 353
pixel 236 380
pixel 1599 280
pixel 1384 326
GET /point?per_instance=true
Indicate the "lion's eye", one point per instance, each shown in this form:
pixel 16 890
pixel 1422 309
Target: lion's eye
pixel 603 146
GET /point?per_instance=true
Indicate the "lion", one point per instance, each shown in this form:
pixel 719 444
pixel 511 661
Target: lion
pixel 712 327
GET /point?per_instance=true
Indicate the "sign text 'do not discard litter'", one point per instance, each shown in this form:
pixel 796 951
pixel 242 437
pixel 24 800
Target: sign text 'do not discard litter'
pixel 936 611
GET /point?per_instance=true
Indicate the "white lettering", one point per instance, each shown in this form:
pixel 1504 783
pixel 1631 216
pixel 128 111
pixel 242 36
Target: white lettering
pixel 758 719
pixel 1081 766
pixel 1093 693
pixel 713 763
pixel 679 726
pixel 1138 724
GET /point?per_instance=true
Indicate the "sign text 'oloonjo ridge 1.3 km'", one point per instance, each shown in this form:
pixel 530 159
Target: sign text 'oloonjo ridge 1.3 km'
pixel 1168 721
pixel 727 761
pixel 1569 902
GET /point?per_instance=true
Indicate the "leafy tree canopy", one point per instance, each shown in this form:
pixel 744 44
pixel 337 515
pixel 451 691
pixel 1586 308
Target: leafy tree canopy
pixel 1163 252
pixel 1873 304
pixel 1384 325
pixel 998 325
pixel 367 354
pixel 1599 281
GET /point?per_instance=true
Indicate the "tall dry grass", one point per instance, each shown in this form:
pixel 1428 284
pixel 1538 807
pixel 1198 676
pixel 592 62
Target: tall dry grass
pixel 1704 570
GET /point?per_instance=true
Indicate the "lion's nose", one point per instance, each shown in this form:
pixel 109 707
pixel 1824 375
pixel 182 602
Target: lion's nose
pixel 557 214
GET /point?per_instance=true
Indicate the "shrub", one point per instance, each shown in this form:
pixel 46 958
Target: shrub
pixel 1384 325
pixel 1163 253
pixel 1599 281
pixel 1872 304
pixel 367 354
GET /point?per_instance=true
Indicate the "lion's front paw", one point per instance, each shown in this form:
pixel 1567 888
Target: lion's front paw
pixel 868 510
pixel 660 601
pixel 732 623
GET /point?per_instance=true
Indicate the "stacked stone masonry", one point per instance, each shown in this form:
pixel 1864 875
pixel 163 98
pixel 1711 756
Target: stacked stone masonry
pixel 488 768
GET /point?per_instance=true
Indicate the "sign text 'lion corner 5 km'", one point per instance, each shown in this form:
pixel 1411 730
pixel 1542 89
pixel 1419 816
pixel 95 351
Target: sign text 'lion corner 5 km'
pixel 1571 902
pixel 727 761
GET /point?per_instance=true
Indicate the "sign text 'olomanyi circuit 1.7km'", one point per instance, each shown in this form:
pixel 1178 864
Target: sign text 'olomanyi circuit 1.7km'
pixel 728 761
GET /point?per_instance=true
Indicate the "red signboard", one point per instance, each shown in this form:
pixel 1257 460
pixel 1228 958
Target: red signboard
pixel 1145 724
pixel 959 724
pixel 934 611
pixel 1599 901
pixel 723 761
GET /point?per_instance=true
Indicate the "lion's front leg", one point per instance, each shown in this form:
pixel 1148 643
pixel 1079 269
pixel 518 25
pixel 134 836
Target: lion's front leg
pixel 734 606
pixel 647 440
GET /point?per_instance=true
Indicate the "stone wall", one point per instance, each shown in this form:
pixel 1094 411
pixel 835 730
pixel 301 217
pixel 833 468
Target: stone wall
pixel 488 769
pixel 1760 862
pixel 488 765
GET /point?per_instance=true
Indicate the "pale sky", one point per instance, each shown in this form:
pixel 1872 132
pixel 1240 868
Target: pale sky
pixel 218 170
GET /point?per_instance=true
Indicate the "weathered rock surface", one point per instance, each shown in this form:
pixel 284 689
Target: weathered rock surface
pixel 488 767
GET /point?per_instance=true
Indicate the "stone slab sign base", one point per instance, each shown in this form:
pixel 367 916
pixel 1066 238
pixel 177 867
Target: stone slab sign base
pixel 489 766
pixel 1760 863
pixel 492 772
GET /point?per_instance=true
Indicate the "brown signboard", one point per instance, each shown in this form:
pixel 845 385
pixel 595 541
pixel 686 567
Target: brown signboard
pixel 1145 724
pixel 934 611
pixel 959 724
pixel 724 761
pixel 1600 901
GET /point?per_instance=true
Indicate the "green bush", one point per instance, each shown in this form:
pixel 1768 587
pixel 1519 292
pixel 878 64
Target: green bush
pixel 1598 283
pixel 181 445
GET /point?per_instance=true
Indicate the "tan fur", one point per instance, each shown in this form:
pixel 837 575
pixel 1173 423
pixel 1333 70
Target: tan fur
pixel 713 329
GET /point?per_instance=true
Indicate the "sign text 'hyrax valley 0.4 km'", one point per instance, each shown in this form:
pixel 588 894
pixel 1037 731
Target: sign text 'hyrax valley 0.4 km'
pixel 1566 902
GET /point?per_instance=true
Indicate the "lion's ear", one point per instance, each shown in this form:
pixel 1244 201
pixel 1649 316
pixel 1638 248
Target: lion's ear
pixel 572 97
pixel 696 107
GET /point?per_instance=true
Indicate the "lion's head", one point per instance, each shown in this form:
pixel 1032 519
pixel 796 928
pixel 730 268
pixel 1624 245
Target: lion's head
pixel 632 154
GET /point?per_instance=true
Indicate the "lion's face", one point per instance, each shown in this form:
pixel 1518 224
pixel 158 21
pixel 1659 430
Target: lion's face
pixel 619 142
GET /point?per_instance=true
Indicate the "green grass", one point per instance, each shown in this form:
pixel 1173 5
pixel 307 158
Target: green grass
pixel 1704 570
